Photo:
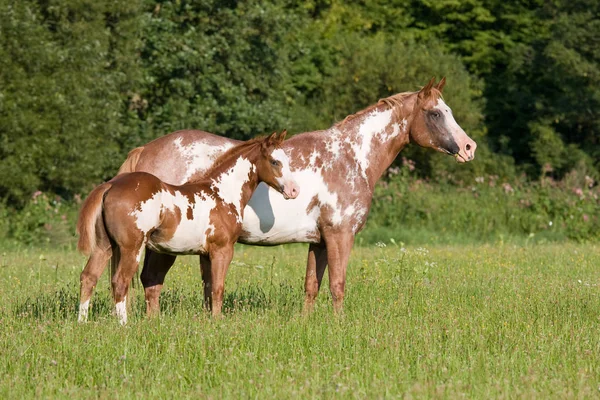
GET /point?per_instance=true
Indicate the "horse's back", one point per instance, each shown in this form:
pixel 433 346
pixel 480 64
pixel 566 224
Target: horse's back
pixel 129 191
pixel 180 156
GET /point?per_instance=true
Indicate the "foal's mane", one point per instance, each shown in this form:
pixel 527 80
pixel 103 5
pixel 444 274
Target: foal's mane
pixel 234 152
pixel 394 102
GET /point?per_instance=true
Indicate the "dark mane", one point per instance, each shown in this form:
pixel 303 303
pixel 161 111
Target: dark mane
pixel 394 102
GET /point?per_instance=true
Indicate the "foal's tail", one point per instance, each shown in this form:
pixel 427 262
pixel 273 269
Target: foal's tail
pixel 89 223
pixel 131 162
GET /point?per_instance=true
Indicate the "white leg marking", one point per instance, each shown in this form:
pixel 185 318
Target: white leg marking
pixel 122 311
pixel 83 311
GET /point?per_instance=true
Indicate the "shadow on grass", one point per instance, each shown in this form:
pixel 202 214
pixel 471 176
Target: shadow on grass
pixel 63 304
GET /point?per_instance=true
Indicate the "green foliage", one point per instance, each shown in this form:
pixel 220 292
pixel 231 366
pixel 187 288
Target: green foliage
pixel 62 82
pixel 45 219
pixel 486 209
pixel 218 66
pixel 81 83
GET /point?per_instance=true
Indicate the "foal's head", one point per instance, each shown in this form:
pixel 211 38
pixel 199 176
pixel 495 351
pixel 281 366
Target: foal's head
pixel 434 126
pixel 273 166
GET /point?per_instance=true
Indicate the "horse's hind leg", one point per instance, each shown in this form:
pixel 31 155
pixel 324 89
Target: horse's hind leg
pixel 128 264
pixel 205 268
pixel 315 269
pixel 89 278
pixel 155 269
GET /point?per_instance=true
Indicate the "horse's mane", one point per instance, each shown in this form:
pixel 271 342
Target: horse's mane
pixel 394 102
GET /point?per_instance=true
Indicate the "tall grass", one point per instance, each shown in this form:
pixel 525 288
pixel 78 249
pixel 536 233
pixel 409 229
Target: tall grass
pixel 451 321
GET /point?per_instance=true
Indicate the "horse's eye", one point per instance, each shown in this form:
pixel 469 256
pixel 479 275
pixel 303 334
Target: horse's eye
pixel 435 114
pixel 275 163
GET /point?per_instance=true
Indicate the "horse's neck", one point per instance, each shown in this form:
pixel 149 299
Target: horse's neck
pixel 235 178
pixel 377 136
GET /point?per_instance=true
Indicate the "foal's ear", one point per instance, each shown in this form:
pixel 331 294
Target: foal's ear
pixel 269 141
pixel 426 91
pixel 440 85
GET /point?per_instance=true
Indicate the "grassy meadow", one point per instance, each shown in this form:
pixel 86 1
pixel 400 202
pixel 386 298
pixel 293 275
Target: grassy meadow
pixel 475 321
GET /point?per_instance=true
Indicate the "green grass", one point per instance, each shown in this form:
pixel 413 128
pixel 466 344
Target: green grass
pixel 474 321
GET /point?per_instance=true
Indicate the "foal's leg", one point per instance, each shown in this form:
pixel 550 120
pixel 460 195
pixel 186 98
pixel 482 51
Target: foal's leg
pixel 219 261
pixel 315 268
pixel 339 246
pixel 128 264
pixel 205 267
pixel 89 278
pixel 156 266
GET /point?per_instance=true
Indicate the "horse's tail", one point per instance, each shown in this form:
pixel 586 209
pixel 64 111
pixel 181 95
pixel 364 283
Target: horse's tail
pixel 89 224
pixel 131 162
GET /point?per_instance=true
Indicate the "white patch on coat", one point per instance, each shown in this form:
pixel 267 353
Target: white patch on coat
pixel 270 219
pixel 403 125
pixel 190 235
pixel 313 158
pixel 83 311
pixel 199 156
pixel 138 256
pixel 333 145
pixel 374 124
pixel 121 309
pixel 228 185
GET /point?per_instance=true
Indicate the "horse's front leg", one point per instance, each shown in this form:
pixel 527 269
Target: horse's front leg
pixel 156 266
pixel 315 269
pixel 339 245
pixel 219 262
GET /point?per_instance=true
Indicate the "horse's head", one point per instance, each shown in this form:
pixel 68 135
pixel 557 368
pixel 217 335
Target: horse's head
pixel 434 126
pixel 274 167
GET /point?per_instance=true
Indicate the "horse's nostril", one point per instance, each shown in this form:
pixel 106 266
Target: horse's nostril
pixel 468 147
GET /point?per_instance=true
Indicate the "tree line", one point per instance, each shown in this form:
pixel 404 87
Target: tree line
pixel 83 82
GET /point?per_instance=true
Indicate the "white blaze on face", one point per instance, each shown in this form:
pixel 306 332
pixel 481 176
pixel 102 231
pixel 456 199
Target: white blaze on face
pixel 121 309
pixel 451 124
pixel 228 185
pixel 286 177
pixel 199 156
pixel 83 311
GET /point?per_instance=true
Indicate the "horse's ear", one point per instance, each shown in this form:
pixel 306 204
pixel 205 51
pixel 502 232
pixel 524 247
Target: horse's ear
pixel 282 135
pixel 269 141
pixel 426 91
pixel 440 85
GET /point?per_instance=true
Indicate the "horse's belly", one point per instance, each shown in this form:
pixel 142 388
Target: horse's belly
pixel 188 244
pixel 189 237
pixel 269 219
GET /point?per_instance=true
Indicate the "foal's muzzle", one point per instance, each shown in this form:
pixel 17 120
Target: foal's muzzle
pixel 290 190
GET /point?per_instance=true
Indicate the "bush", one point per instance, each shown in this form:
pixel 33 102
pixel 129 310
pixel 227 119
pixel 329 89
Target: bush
pixel 45 219
pixel 487 207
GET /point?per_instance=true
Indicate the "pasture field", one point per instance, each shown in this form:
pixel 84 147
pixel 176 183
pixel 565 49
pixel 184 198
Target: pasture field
pixel 476 321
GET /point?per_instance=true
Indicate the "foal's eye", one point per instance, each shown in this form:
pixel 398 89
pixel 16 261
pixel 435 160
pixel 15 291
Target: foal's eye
pixel 435 114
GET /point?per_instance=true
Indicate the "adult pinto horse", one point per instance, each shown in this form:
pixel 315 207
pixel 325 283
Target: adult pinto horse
pixel 136 210
pixel 337 169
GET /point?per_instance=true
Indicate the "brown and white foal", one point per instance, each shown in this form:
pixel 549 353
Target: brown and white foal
pixel 136 210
